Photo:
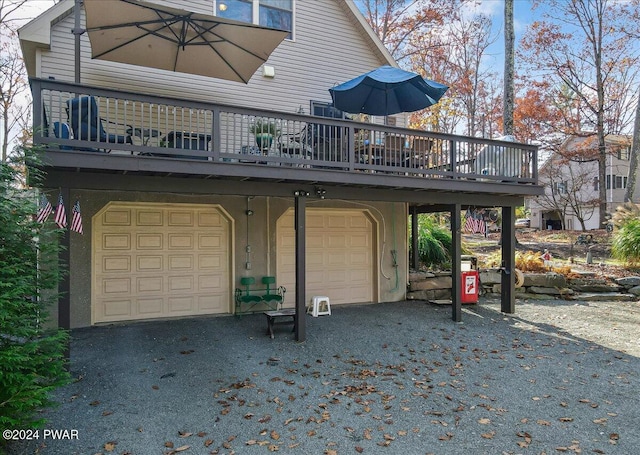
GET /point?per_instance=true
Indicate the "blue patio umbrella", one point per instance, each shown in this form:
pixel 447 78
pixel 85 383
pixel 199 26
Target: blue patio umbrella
pixel 386 91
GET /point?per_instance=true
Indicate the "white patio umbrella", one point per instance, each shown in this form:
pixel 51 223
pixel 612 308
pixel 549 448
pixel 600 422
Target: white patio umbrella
pixel 146 34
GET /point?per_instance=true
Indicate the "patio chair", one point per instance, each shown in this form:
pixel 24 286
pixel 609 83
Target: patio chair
pixel 61 131
pixel 423 154
pixel 86 124
pixel 296 145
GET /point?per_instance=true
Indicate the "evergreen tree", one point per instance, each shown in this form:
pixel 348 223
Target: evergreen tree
pixel 32 358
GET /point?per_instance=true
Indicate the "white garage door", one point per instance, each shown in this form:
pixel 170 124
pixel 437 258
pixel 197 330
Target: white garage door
pixel 340 255
pixel 159 260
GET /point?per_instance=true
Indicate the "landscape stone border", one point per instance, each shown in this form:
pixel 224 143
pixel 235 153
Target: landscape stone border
pixel 543 286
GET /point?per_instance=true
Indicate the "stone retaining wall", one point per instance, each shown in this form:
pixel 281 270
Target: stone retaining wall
pixel 551 285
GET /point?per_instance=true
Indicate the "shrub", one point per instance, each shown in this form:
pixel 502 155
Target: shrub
pixel 32 358
pixel 626 241
pixel 434 242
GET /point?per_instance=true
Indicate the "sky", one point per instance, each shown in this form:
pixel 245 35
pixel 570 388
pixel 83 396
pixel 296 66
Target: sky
pixel 523 17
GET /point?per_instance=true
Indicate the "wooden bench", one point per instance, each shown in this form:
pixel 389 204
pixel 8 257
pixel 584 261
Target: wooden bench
pixel 288 314
pixel 249 299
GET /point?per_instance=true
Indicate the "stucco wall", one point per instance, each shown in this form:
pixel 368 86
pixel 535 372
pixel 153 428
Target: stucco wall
pixel 391 234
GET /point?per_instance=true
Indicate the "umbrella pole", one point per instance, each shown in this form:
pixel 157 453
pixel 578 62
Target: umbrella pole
pixel 77 31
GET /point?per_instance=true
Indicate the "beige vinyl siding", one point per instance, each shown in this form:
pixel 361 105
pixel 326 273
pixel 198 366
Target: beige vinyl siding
pixel 328 49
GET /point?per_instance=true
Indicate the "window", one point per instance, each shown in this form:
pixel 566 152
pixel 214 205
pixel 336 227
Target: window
pixel 624 153
pixel 616 182
pixel 268 13
pixel 596 187
pixel 560 188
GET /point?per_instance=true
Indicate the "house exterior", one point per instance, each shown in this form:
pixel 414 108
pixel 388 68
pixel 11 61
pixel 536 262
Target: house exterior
pixel 572 188
pixel 189 204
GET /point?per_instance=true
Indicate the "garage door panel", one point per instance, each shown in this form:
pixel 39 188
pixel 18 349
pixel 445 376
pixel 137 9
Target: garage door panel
pixel 314 241
pixel 149 218
pixel 336 258
pixel 149 284
pixel 339 248
pixel 312 219
pixel 209 282
pixel 117 217
pixel 212 261
pixel 116 264
pixel 184 304
pixel 151 307
pixel 337 240
pixel 180 262
pixel 359 276
pixel 180 241
pixel 359 222
pixel 117 309
pixel 337 277
pixel 314 258
pixel 211 304
pixel 181 259
pixel 315 277
pixel 180 283
pixel 116 242
pixel 149 263
pixel 149 242
pixel 181 218
pixel 116 285
pixel 358 258
pixel 336 221
pixel 210 219
pixel 359 241
pixel 210 241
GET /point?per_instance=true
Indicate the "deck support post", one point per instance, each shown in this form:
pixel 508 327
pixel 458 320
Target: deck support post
pixel 415 256
pixel 507 279
pixel 456 249
pixel 300 228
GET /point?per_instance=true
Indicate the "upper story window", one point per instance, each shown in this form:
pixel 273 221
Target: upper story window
pixel 268 13
pixel 624 153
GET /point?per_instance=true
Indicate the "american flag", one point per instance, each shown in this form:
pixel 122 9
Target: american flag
pixel 61 215
pixel 76 218
pixel 469 223
pixel 474 223
pixel 44 209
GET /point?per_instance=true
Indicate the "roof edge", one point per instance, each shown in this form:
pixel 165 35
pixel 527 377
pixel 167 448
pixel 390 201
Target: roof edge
pixel 36 34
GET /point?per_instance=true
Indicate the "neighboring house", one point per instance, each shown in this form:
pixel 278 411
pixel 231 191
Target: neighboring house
pixel 570 178
pixel 170 234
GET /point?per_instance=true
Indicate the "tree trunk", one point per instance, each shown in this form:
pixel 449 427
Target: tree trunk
pixel 509 39
pixel 633 158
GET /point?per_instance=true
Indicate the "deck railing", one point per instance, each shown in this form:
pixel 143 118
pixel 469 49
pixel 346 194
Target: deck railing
pixel 74 117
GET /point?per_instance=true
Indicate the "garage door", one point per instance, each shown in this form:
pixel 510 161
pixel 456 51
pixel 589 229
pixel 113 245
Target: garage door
pixel 340 255
pixel 160 260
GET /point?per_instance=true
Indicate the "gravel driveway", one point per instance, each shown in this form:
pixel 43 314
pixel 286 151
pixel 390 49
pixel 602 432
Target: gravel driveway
pixel 397 378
